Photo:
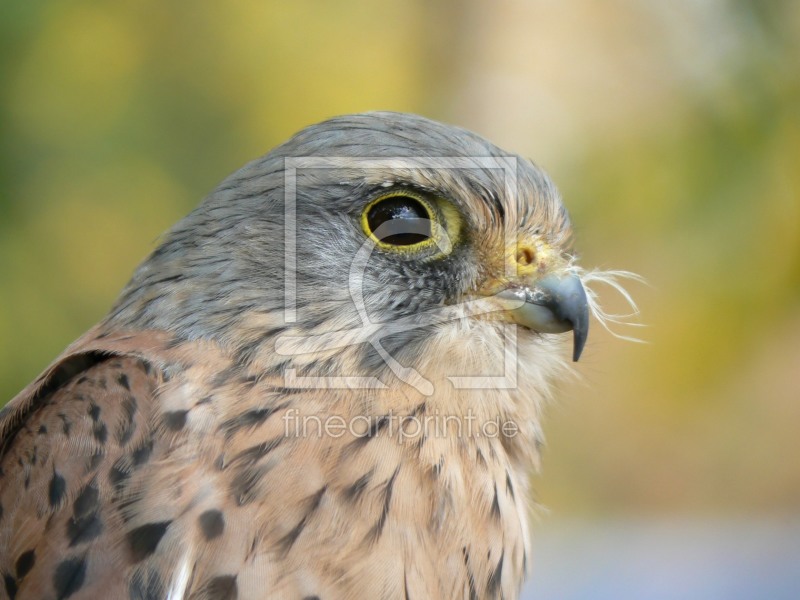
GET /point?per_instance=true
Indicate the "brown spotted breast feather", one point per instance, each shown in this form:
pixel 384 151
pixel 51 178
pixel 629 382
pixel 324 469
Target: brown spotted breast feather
pixel 141 468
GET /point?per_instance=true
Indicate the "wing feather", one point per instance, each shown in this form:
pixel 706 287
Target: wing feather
pixel 65 444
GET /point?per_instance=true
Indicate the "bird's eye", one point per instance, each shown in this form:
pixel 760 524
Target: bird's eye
pixel 413 222
pixel 399 219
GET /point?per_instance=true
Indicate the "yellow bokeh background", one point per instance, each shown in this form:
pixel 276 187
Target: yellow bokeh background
pixel 672 130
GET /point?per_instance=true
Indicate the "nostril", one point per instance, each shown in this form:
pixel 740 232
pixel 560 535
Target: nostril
pixel 525 256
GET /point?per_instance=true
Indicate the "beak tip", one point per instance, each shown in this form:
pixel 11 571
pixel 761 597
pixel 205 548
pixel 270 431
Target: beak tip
pixel 580 331
pixel 572 306
pixel 579 341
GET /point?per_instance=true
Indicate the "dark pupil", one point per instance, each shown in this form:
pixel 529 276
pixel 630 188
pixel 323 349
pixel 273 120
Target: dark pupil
pixel 401 221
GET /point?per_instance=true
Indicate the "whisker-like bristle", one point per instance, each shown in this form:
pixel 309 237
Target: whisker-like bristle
pixel 612 279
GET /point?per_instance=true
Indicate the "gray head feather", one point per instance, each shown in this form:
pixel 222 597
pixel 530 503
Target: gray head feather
pixel 219 273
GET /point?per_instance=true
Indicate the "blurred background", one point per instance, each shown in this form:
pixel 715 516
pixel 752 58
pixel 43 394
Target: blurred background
pixel 672 129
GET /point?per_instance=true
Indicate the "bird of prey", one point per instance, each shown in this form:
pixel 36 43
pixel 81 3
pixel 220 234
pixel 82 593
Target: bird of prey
pixel 326 382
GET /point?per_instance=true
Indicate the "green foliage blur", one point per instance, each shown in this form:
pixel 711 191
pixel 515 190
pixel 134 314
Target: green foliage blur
pixel 673 134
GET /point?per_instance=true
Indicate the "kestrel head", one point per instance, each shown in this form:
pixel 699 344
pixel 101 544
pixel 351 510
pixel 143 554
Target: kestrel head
pixel 371 246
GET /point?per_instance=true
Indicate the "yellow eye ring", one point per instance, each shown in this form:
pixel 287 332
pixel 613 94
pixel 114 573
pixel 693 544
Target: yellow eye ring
pixel 409 221
pixel 402 220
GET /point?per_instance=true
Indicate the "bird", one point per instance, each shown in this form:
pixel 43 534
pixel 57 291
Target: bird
pixel 327 381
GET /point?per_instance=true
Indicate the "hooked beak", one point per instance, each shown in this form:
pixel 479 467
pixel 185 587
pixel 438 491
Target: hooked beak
pixel 553 304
